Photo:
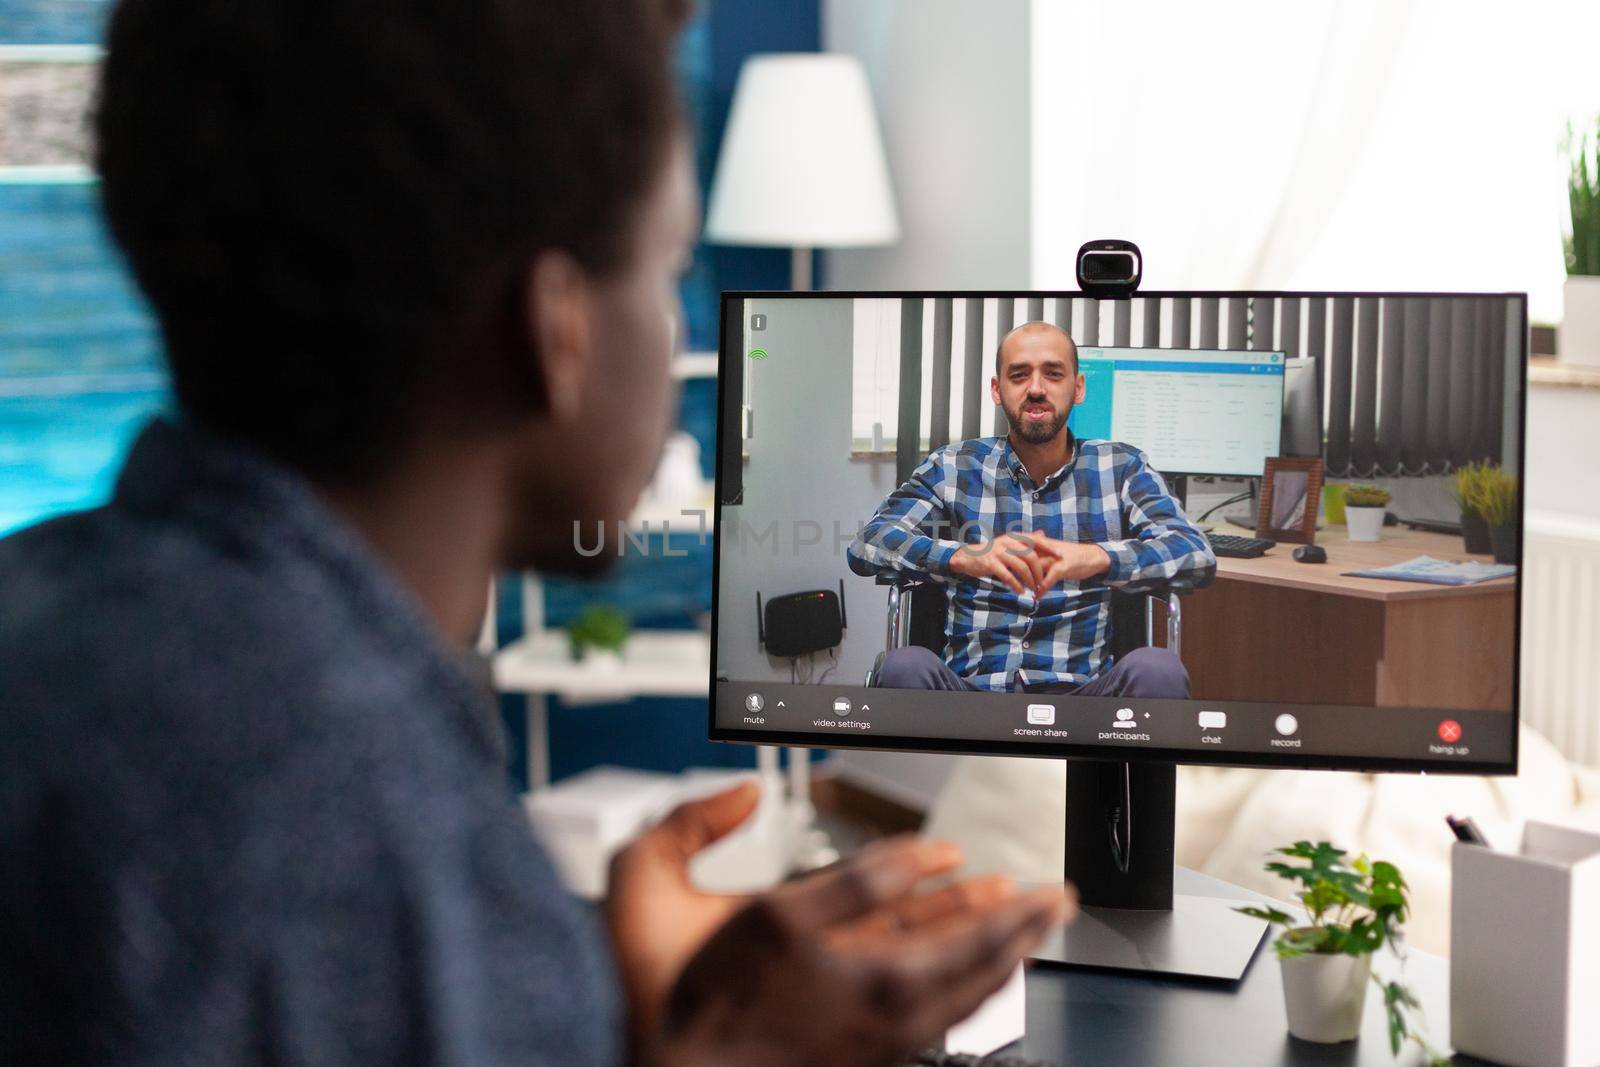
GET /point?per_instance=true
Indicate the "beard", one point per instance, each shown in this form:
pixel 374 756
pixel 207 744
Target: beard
pixel 1040 431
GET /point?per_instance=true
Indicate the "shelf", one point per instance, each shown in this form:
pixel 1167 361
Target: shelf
pixel 1546 370
pixel 669 515
pixel 695 365
pixel 655 663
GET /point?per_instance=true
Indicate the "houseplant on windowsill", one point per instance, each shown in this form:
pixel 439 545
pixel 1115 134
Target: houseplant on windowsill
pixel 1353 910
pixel 597 637
pixel 1363 511
pixel 1579 340
pixel 1469 483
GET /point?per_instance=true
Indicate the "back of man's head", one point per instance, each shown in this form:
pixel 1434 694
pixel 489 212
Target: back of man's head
pixel 322 198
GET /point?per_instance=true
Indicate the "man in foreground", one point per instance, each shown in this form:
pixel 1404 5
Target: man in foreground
pixel 1030 533
pixel 415 265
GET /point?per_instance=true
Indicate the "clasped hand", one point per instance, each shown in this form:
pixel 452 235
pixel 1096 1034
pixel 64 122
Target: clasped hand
pixel 1030 563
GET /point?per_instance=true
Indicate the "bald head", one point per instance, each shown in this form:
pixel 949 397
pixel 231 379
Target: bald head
pixel 1036 336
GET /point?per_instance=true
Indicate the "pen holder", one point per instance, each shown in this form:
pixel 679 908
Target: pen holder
pixel 1525 949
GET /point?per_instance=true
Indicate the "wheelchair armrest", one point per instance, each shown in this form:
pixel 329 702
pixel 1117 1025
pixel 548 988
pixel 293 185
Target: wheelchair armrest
pixel 898 622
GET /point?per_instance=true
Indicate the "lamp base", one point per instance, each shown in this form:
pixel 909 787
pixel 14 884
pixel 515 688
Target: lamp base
pixel 800 260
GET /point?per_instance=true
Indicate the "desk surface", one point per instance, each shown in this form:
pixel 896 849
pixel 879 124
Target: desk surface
pixel 1107 1019
pixel 1399 544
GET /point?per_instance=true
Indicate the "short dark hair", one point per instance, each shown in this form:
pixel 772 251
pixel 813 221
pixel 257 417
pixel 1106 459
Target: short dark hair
pixel 1001 347
pixel 318 196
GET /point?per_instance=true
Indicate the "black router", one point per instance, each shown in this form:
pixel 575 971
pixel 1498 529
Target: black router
pixel 798 624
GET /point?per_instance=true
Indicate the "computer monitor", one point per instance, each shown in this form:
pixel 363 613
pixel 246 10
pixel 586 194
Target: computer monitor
pixel 862 452
pixel 1193 411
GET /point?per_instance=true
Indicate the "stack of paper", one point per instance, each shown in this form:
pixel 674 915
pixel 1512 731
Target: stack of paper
pixel 1439 571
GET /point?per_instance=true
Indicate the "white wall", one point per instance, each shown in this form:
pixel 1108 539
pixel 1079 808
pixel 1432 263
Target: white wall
pixel 1251 144
pixel 950 80
pixel 799 471
pixel 1562 473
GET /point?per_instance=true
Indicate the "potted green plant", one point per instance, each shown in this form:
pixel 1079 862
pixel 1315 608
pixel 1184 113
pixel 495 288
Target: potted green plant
pixel 1497 502
pixel 1579 340
pixel 598 635
pixel 1469 484
pixel 1351 911
pixel 1364 506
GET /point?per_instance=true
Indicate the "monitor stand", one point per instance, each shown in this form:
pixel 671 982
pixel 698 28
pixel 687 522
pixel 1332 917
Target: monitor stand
pixel 1120 856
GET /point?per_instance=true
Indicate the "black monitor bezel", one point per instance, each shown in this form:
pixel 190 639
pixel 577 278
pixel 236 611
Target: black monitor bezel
pixel 1041 750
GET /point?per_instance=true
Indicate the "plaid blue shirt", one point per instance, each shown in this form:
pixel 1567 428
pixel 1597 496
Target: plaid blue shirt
pixel 973 491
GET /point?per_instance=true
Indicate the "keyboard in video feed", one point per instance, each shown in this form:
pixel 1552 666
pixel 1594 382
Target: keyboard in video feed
pixel 968 523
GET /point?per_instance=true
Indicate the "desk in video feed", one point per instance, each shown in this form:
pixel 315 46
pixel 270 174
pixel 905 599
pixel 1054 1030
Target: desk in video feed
pixel 1271 629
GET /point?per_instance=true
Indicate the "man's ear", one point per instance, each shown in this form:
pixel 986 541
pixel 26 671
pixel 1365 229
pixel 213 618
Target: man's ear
pixel 994 391
pixel 1078 394
pixel 556 315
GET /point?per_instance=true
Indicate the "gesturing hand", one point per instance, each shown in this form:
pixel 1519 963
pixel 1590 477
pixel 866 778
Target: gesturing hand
pixel 657 918
pixel 854 965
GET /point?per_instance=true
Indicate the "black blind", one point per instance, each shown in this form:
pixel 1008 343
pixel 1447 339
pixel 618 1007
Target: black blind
pixel 1413 385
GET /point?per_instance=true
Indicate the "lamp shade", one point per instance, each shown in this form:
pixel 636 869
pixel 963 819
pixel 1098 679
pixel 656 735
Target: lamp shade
pixel 802 162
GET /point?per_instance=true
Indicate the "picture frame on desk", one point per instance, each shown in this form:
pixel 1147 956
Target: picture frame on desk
pixel 1291 487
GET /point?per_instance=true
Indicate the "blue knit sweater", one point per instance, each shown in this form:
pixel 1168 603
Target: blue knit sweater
pixel 251 808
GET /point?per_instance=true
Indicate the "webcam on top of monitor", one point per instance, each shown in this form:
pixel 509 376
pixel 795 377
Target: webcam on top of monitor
pixel 1110 268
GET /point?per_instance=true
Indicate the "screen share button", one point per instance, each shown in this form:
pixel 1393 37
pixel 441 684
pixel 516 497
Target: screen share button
pixel 1041 724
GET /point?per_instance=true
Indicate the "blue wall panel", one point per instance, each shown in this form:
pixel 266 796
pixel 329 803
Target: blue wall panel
pixel 52 21
pixel 741 28
pixel 80 363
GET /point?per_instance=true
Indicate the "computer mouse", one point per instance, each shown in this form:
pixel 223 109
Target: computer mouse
pixel 1310 554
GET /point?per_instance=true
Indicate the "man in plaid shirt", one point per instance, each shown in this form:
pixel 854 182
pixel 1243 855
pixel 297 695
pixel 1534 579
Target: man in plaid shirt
pixel 1030 533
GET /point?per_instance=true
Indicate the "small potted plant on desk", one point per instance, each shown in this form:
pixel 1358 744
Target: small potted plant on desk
pixel 1353 910
pixel 1497 502
pixel 597 637
pixel 1364 506
pixel 1470 480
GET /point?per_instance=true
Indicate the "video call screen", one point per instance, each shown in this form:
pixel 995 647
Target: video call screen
pixel 1193 527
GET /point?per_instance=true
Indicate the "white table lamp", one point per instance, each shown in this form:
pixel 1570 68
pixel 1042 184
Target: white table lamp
pixel 802 162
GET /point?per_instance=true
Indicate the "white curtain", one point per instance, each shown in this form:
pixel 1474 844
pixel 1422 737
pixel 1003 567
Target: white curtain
pixel 1401 144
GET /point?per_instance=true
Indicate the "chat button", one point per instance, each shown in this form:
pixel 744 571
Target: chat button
pixel 1213 720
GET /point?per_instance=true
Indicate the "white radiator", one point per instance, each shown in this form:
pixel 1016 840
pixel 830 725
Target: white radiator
pixel 1561 633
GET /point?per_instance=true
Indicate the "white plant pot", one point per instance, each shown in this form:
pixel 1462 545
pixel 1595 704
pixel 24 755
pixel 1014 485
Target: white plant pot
pixel 1324 996
pixel 601 661
pixel 1365 524
pixel 1579 337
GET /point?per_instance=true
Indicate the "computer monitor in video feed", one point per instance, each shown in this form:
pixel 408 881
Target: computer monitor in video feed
pixel 878 450
pixel 1192 411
